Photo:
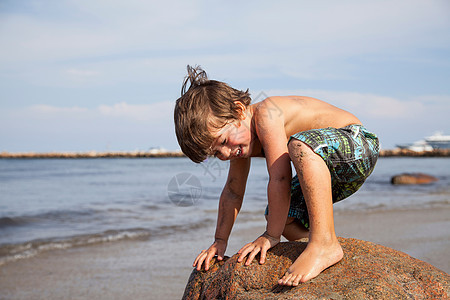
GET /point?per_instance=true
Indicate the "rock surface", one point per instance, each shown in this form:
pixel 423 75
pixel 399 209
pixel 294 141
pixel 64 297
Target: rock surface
pixel 413 178
pixel 367 271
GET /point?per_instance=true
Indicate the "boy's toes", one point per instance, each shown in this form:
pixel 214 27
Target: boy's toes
pixel 285 279
pixel 290 279
pixel 296 280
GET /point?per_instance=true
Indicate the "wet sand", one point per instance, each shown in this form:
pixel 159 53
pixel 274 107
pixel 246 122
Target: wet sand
pixel 160 270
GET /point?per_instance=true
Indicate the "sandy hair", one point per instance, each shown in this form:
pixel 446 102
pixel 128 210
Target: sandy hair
pixel 203 106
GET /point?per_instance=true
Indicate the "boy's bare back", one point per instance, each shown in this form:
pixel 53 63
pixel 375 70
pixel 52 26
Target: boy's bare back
pixel 301 113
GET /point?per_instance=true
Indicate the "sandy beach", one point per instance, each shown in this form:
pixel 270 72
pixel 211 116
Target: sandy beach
pixel 145 270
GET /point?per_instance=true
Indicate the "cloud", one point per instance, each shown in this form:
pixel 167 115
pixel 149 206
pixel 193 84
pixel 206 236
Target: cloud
pixel 149 113
pixel 146 44
pixel 368 105
pixel 121 126
pixel 296 32
pixel 91 29
pixel 53 110
pixel 82 73
pixel 153 113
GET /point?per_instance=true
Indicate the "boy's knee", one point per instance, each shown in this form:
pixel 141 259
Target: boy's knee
pixel 289 220
pixel 298 150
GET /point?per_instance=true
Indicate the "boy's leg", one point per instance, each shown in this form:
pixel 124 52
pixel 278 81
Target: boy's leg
pixel 293 230
pixel 323 248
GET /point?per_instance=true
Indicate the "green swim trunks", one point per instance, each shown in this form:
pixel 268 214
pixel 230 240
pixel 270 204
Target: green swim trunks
pixel 350 154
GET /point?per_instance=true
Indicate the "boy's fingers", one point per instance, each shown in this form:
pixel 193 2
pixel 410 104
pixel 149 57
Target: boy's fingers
pixel 220 255
pixel 207 260
pixel 203 261
pixel 243 248
pixel 196 260
pixel 263 256
pixel 243 253
pixel 199 263
pixel 252 256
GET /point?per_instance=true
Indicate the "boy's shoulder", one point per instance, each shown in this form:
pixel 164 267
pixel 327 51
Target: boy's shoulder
pixel 276 107
pixel 269 115
pixel 270 106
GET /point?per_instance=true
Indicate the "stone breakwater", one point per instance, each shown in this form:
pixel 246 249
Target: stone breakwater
pixel 139 154
pixel 91 154
pixel 367 271
pixel 410 153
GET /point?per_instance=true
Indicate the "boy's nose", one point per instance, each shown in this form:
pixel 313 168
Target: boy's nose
pixel 225 153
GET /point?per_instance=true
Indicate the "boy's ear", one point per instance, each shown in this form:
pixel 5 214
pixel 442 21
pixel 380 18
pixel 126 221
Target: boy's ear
pixel 241 109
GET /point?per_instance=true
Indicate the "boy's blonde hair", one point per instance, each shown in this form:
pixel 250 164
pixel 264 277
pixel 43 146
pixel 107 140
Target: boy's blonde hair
pixel 205 105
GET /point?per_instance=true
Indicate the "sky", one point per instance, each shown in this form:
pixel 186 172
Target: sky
pixel 97 75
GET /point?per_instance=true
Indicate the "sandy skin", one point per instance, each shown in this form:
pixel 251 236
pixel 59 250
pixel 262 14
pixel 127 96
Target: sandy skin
pixel 323 248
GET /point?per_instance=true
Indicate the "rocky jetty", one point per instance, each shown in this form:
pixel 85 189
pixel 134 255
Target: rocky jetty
pixel 410 153
pixel 91 154
pixel 150 154
pixel 413 178
pixel 367 271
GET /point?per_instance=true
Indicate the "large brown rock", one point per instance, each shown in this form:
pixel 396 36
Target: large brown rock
pixel 367 271
pixel 413 178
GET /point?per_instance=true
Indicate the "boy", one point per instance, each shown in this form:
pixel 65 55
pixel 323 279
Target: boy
pixel 331 151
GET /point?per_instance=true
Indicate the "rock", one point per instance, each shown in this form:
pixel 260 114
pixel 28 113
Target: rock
pixel 367 271
pixel 413 178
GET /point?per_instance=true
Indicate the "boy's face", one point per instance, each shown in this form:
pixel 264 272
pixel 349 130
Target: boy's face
pixel 232 141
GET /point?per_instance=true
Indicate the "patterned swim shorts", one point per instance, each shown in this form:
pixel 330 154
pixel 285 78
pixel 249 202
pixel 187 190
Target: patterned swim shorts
pixel 350 154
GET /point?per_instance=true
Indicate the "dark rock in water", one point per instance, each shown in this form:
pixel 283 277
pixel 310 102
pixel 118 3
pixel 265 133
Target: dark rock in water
pixel 413 178
pixel 367 271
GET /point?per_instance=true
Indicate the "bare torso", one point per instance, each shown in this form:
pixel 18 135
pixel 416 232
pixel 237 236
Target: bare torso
pixel 301 113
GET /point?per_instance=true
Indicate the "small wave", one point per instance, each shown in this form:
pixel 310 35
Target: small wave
pixel 152 207
pixel 15 252
pixel 60 215
pixel 174 229
pixel 14 221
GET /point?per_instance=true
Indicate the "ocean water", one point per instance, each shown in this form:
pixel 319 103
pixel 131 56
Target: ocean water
pixel 50 204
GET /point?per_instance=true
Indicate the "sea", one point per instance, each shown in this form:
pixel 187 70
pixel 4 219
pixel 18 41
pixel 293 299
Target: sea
pixel 48 204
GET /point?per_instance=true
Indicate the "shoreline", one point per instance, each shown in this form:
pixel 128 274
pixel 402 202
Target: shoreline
pixel 171 154
pixel 160 269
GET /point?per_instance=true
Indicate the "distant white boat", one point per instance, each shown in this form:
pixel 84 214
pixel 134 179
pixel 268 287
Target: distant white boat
pixel 436 141
pixel 418 146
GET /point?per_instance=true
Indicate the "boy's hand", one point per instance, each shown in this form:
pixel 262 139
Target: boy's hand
pixel 218 247
pixel 261 244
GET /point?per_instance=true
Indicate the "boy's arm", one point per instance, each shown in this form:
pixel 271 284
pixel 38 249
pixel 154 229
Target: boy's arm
pixel 272 135
pixel 229 206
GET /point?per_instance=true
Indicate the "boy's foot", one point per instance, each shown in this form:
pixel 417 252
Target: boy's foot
pixel 313 260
